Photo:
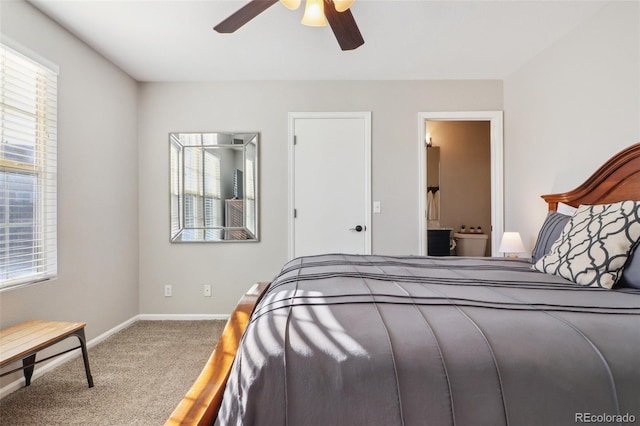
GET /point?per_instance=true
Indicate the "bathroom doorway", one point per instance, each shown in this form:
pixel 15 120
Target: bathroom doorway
pixel 459 189
pixel 466 187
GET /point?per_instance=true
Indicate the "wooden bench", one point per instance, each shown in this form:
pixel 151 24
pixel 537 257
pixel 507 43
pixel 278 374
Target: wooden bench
pixel 22 342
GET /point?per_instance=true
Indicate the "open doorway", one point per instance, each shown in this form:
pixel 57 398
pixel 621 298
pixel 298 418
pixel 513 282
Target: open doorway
pixel 459 183
pixel 454 208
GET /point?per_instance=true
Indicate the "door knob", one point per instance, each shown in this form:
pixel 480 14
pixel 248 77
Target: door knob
pixel 358 228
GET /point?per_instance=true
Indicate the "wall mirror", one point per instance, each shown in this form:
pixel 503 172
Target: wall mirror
pixel 433 187
pixel 433 167
pixel 214 187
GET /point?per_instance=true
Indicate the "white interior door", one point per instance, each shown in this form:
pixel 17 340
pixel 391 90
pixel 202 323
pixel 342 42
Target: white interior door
pixel 329 189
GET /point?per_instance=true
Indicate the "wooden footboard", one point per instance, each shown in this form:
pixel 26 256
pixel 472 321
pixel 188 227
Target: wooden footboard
pixel 200 405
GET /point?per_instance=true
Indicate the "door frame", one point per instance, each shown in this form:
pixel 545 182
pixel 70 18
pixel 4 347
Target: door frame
pixel 497 167
pixel 293 116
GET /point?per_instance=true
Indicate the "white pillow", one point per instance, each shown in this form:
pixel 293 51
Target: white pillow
pixel 566 209
pixel 595 244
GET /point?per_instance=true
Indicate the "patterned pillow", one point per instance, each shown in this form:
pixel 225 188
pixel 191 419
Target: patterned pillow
pixel 549 233
pixel 594 246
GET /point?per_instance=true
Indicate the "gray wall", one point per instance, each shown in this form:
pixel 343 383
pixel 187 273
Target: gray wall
pixel 568 110
pixel 97 184
pixel 263 106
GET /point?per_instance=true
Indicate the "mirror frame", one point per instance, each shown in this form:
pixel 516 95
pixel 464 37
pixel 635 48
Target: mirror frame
pixel 227 142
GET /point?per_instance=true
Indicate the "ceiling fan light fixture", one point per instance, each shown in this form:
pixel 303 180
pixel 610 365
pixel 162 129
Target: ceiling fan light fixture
pixel 291 4
pixel 343 25
pixel 314 14
pixel 342 5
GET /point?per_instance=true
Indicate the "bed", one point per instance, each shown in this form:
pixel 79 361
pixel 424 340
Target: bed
pixel 379 340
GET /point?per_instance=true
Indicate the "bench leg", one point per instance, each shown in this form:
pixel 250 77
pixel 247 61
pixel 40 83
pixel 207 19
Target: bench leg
pixel 85 356
pixel 28 363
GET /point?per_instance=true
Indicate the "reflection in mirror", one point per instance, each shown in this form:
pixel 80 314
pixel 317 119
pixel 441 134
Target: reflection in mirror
pixel 433 167
pixel 433 187
pixel 214 187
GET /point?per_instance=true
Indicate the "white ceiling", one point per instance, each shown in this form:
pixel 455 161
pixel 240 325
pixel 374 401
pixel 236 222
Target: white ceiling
pixel 164 40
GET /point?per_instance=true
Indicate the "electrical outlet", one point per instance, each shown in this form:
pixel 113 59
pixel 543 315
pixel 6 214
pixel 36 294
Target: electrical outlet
pixel 168 291
pixel 207 290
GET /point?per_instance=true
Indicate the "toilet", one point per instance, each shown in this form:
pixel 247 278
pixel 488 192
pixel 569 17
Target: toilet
pixel 469 244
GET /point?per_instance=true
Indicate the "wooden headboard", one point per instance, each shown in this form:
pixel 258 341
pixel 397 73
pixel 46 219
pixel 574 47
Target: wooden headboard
pixel 617 180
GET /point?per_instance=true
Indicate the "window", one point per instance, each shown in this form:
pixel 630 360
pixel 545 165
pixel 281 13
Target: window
pixel 212 194
pixel 202 188
pixel 28 127
pixel 176 185
pixel 250 193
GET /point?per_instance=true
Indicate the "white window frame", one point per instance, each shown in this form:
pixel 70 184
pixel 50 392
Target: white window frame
pixel 197 202
pixel 28 146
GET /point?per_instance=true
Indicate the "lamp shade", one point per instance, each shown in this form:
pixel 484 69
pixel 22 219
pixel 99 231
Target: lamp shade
pixel 511 244
pixel 291 4
pixel 314 14
pixel 342 5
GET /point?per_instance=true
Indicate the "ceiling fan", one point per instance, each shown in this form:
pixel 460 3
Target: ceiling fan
pixel 336 12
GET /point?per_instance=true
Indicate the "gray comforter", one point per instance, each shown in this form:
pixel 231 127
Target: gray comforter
pixel 372 340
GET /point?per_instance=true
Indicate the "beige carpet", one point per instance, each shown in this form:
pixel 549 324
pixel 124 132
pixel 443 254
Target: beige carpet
pixel 140 376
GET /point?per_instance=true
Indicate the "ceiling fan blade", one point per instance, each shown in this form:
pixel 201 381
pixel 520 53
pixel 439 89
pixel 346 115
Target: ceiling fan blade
pixel 344 27
pixel 244 15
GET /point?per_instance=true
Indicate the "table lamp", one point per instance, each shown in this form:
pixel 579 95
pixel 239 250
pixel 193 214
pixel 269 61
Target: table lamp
pixel 511 244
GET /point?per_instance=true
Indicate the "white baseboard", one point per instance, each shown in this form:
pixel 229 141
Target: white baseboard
pixel 91 343
pixel 182 317
pixel 17 384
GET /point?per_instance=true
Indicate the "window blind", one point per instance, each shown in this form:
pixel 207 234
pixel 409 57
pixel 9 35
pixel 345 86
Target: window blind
pixel 28 138
pixel 196 187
